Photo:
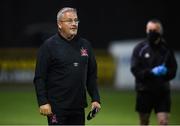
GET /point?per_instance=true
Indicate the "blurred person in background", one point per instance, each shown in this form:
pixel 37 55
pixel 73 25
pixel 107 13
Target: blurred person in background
pixel 65 68
pixel 153 65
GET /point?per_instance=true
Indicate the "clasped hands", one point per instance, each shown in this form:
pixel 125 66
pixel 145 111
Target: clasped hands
pixel 159 70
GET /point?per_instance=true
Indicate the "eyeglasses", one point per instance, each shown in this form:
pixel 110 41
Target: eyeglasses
pixel 70 21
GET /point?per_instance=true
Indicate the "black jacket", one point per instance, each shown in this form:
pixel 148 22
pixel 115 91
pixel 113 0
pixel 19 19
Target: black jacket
pixel 146 56
pixel 64 69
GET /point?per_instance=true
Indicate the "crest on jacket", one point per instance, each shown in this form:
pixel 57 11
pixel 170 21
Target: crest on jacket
pixel 84 52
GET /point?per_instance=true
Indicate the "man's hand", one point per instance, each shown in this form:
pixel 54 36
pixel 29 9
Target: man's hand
pixel 45 110
pixel 95 105
pixel 159 70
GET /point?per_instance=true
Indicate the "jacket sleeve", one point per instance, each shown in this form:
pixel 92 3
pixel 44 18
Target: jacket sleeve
pixel 92 86
pixel 171 65
pixel 41 75
pixel 137 68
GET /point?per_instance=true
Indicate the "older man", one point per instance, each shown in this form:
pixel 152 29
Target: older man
pixel 65 68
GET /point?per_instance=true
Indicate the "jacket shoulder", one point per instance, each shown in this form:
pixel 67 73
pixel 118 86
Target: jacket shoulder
pixel 140 45
pixel 85 42
pixel 50 40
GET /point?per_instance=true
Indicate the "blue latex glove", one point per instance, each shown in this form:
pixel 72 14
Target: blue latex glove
pixel 163 69
pixel 155 71
pixel 159 70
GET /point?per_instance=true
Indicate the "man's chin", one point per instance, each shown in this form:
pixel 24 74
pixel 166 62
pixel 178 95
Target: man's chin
pixel 74 33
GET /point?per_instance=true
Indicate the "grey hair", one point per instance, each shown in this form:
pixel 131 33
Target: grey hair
pixel 156 21
pixel 63 10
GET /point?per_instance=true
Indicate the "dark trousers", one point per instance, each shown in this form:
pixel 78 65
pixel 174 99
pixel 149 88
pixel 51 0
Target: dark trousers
pixel 67 117
pixel 159 101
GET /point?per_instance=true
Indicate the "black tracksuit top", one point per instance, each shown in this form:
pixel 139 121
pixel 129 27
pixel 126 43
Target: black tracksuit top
pixel 64 70
pixel 145 56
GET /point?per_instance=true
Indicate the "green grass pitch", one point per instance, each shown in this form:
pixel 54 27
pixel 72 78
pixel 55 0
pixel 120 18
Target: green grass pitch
pixel 19 107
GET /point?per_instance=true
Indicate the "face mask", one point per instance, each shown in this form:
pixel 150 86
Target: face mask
pixel 153 36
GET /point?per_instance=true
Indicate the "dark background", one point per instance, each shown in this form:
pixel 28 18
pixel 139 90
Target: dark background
pixel 26 23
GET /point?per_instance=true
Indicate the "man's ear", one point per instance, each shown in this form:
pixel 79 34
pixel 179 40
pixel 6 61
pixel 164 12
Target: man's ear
pixel 59 26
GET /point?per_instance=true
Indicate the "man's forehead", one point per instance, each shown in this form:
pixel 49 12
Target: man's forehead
pixel 152 25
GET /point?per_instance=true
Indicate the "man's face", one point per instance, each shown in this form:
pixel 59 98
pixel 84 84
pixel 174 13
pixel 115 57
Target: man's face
pixel 153 31
pixel 68 24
